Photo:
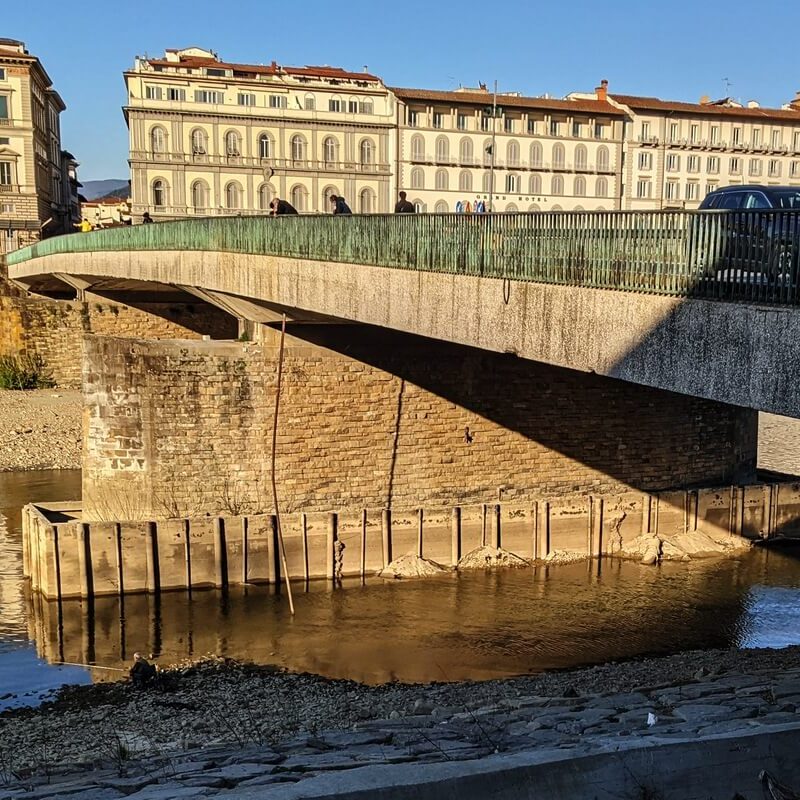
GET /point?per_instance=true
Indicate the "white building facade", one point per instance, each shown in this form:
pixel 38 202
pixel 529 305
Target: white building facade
pixel 676 153
pixel 527 154
pixel 209 137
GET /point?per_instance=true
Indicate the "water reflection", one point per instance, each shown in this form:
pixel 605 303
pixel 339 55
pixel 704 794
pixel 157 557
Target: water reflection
pixel 475 626
pixel 455 627
pixel 21 673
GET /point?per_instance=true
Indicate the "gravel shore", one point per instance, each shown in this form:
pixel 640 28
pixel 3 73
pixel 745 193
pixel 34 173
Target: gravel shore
pixel 217 703
pixel 40 429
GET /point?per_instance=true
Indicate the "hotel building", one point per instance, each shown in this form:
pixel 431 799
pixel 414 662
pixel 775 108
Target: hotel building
pixel 548 154
pixel 210 137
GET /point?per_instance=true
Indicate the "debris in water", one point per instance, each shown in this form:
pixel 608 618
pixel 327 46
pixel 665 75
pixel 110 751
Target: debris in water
pixel 564 557
pixel 412 566
pixel 490 557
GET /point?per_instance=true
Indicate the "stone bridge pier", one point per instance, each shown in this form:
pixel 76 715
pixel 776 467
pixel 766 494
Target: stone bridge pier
pixel 374 418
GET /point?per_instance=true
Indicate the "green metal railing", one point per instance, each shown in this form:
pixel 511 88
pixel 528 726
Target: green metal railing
pixel 751 255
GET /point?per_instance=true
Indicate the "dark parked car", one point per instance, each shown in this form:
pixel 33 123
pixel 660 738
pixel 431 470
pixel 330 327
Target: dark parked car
pixel 758 240
pixel 751 198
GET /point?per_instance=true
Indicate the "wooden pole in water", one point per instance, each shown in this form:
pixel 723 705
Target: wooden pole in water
pixel 281 546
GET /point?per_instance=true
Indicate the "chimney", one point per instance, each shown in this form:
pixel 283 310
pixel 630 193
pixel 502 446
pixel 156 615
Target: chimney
pixel 602 91
pixel 705 100
pixel 795 104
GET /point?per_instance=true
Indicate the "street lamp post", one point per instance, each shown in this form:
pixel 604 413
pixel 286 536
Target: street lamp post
pixel 494 139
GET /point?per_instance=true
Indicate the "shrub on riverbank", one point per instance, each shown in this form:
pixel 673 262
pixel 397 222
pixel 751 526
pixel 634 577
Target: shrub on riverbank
pixel 24 372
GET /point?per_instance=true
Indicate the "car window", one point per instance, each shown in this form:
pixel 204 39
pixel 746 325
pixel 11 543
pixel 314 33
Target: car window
pixel 757 200
pixel 712 201
pixel 731 200
pixel 787 200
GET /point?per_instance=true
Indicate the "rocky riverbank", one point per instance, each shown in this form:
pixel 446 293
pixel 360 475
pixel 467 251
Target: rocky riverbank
pixel 216 725
pixel 40 429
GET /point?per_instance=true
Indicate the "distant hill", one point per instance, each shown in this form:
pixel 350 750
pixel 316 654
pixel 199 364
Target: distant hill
pixel 94 190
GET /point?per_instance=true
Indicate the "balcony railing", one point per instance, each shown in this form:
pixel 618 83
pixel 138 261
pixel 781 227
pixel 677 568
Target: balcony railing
pixel 260 163
pixel 752 256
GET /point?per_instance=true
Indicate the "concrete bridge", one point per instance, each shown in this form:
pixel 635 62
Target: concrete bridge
pixel 482 367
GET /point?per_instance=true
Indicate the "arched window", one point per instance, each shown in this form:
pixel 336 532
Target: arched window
pixel 535 184
pixel 265 195
pixel 557 187
pixel 419 206
pixel 233 195
pixel 441 179
pixel 580 186
pixel 465 181
pixel 465 151
pixel 366 201
pixel 601 188
pixel 581 158
pixel 511 207
pixel 558 155
pixel 233 146
pixel 578 208
pixel 199 142
pixel 440 207
pixel 512 154
pixel 536 154
pixel 158 140
pixel 442 150
pixel 264 146
pixel 485 181
pixel 199 195
pixel 512 183
pixel 556 207
pixel 159 192
pixel 330 150
pixel 417 148
pixel 487 152
pixel 298 145
pixel 602 158
pixel 367 154
pixel 327 193
pixel 417 178
pixel 310 102
pixel 299 195
pixel 533 207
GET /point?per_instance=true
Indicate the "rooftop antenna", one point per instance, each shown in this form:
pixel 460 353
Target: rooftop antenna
pixel 727 84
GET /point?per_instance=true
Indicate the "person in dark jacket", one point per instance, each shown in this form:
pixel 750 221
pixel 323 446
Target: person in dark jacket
pixel 340 205
pixel 142 672
pixel 403 206
pixel 280 207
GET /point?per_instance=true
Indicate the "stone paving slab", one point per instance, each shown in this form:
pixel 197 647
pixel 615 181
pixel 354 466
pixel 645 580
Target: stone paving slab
pixel 553 728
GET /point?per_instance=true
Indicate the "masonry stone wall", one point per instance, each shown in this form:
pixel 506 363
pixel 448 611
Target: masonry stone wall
pixel 54 329
pixel 183 428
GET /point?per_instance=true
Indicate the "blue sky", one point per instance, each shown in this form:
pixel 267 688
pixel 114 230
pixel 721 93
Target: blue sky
pixel 678 50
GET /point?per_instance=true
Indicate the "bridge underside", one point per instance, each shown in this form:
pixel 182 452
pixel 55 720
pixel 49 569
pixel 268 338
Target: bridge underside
pixel 734 353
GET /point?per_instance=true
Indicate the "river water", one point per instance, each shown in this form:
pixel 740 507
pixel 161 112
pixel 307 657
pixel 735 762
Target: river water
pixel 466 626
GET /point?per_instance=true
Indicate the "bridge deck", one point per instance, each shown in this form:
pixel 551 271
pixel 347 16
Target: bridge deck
pixel 750 255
